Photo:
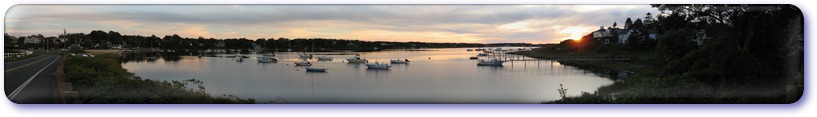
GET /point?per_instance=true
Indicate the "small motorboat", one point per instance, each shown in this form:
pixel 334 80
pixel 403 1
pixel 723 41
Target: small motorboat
pixel 378 65
pixel 151 58
pixel 238 58
pixel 267 59
pixel 473 57
pixel 304 55
pixel 315 69
pixel 325 58
pixel 482 54
pixel 470 50
pixel 303 63
pixel 492 62
pixel 357 59
pixel 398 61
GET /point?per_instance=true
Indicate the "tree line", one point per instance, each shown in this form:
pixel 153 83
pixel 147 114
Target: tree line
pixel 98 39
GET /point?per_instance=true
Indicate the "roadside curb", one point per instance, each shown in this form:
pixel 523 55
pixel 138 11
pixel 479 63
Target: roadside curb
pixel 59 96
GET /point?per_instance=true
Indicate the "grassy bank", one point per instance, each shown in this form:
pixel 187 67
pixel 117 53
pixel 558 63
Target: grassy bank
pixel 642 63
pixel 102 80
pixel 637 67
pixel 648 85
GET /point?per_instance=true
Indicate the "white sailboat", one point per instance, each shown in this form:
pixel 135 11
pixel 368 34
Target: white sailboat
pixel 304 55
pixel 492 62
pixel 398 61
pixel 378 65
pixel 238 58
pixel 303 63
pixel 266 59
pixel 357 59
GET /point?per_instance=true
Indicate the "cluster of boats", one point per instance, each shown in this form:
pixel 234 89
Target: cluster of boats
pixel 358 59
pixel 310 68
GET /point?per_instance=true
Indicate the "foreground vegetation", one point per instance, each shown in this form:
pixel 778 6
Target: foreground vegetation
pixel 102 80
pixel 703 54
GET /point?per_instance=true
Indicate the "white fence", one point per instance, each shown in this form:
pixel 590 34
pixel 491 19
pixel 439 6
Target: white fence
pixel 17 54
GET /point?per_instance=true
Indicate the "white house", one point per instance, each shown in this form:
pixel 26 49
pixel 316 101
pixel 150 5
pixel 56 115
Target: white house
pixel 623 35
pixel 601 33
pixel 32 39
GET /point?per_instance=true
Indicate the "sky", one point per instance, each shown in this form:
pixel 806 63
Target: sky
pixel 403 23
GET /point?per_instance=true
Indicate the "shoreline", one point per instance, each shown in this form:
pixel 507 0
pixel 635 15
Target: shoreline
pixel 596 64
pixel 98 80
pixel 604 94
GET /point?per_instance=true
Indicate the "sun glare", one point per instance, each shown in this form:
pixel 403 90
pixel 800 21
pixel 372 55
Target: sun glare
pixel 574 32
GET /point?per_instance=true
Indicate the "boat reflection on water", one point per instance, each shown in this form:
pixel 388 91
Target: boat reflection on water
pixel 448 77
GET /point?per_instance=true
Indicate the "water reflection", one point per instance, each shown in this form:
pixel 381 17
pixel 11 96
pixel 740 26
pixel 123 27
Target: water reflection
pixel 448 77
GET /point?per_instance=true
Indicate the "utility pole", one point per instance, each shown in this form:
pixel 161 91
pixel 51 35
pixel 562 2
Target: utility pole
pixel 64 35
pixel 46 44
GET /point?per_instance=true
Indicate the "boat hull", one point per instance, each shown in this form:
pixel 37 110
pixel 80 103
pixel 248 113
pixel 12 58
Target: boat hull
pixel 377 66
pixel 324 58
pixel 303 64
pixel 315 69
pixel 398 62
pixel 266 60
pixel 357 60
pixel 493 63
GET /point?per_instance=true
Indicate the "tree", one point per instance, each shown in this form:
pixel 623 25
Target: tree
pixel 648 19
pixel 628 23
pixel 751 38
pixel 7 40
pixel 675 44
pixel 115 37
pixel 614 24
pixel 638 24
pixel 97 35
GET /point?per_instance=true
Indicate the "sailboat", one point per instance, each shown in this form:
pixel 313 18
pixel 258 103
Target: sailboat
pixel 357 59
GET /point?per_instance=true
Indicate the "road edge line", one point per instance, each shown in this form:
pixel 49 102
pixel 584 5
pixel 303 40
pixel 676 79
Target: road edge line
pixel 14 93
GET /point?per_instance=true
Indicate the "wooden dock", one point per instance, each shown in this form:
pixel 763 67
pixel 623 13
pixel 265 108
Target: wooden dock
pixel 514 57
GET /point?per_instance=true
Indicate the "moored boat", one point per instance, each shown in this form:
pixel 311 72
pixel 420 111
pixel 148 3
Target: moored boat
pixel 303 63
pixel 492 62
pixel 266 59
pixel 398 61
pixel 238 58
pixel 357 59
pixel 304 55
pixel 378 65
pixel 151 58
pixel 325 58
pixel 315 69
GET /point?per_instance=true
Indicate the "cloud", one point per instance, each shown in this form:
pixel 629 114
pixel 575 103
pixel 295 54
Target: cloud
pixel 434 23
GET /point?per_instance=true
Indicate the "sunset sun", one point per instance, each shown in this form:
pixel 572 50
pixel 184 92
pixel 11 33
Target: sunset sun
pixel 574 32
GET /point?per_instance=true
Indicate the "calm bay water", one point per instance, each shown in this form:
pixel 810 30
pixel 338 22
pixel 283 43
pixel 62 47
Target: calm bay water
pixel 447 77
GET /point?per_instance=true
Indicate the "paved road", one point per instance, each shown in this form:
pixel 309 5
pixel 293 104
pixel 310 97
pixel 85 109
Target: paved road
pixel 31 81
